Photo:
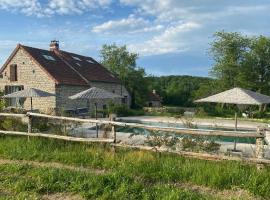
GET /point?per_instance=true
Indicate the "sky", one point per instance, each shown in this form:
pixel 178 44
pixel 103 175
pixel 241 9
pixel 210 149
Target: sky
pixel 172 37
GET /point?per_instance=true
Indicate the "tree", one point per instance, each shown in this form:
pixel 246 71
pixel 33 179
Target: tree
pixel 229 51
pixel 257 65
pixel 122 63
pixel 177 90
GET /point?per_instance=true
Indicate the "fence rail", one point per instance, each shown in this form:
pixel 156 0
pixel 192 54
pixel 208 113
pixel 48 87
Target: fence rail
pixel 186 131
pixel 259 135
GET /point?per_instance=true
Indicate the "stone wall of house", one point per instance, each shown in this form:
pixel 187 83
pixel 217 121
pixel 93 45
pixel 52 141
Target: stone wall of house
pixel 64 91
pixel 153 104
pixel 30 75
pixel 114 88
pixel 62 97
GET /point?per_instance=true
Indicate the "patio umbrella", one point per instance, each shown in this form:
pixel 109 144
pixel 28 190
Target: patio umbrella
pixel 95 94
pixel 237 96
pixel 29 93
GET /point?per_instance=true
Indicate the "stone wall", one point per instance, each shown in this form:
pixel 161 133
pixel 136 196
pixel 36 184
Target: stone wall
pixel 153 103
pixel 64 91
pixel 30 75
pixel 114 88
pixel 62 97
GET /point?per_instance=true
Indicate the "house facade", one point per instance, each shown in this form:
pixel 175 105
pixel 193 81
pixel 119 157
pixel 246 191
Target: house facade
pixel 59 72
pixel 153 100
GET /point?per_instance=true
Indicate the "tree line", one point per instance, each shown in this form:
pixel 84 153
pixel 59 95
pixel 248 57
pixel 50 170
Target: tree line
pixel 239 61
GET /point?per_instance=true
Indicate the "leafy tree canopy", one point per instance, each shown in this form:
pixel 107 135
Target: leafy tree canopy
pixel 122 63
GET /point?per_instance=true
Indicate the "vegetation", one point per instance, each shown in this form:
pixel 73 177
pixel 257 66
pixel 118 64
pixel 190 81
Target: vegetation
pixel 149 176
pixel 12 124
pixel 123 64
pixel 123 110
pixel 177 90
pixel 241 61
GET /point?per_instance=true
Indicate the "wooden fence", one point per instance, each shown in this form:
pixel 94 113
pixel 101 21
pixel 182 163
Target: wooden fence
pixel 259 135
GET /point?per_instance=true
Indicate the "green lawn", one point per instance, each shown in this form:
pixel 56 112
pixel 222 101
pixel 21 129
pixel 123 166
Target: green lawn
pixel 129 174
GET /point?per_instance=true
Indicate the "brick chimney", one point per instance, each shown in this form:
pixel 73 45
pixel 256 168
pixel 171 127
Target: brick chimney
pixel 54 45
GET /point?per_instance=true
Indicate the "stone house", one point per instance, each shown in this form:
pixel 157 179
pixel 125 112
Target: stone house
pixel 153 99
pixel 59 72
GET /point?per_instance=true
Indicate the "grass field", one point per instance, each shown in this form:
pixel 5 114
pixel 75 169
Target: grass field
pixel 50 169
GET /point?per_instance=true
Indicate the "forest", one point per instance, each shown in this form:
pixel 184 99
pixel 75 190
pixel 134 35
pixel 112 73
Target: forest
pixel 239 61
pixel 178 90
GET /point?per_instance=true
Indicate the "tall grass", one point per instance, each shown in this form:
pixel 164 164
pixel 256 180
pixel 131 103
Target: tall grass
pixel 31 182
pixel 147 167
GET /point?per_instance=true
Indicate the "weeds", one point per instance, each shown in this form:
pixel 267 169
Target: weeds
pixel 133 173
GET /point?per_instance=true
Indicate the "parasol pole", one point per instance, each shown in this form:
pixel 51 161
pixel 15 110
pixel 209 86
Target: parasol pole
pixel 235 128
pixel 31 104
pixel 96 119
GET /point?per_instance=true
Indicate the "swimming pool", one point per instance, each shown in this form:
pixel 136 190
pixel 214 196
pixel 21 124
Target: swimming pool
pixel 142 131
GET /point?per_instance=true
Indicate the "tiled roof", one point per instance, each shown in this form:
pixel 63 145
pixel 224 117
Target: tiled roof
pixel 153 97
pixel 70 68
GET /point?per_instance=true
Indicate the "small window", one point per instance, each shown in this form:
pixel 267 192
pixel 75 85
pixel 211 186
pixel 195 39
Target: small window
pixel 13 73
pixel 76 58
pixel 90 61
pixel 125 100
pixel 49 57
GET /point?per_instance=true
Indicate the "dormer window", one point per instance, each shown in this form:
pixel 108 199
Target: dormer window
pixel 13 73
pixel 76 58
pixel 48 57
pixel 91 61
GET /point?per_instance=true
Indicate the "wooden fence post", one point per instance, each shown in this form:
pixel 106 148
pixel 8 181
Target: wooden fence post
pixel 29 125
pixel 114 134
pixel 112 118
pixel 259 152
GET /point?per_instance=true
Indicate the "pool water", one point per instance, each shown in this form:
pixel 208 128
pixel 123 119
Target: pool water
pixel 141 131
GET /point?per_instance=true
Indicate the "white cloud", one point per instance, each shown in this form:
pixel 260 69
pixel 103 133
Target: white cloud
pixel 127 25
pixel 35 7
pixel 173 39
pixel 28 7
pixel 75 6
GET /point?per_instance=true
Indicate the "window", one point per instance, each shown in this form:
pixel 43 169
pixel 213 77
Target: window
pixel 125 100
pixel 48 57
pixel 90 61
pixel 76 58
pixel 13 72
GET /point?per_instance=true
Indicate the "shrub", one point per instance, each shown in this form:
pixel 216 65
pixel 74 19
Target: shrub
pixel 12 124
pixel 199 144
pixel 123 110
pixel 156 139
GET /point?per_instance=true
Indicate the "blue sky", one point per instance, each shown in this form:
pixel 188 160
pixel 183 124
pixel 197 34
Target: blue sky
pixel 171 36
